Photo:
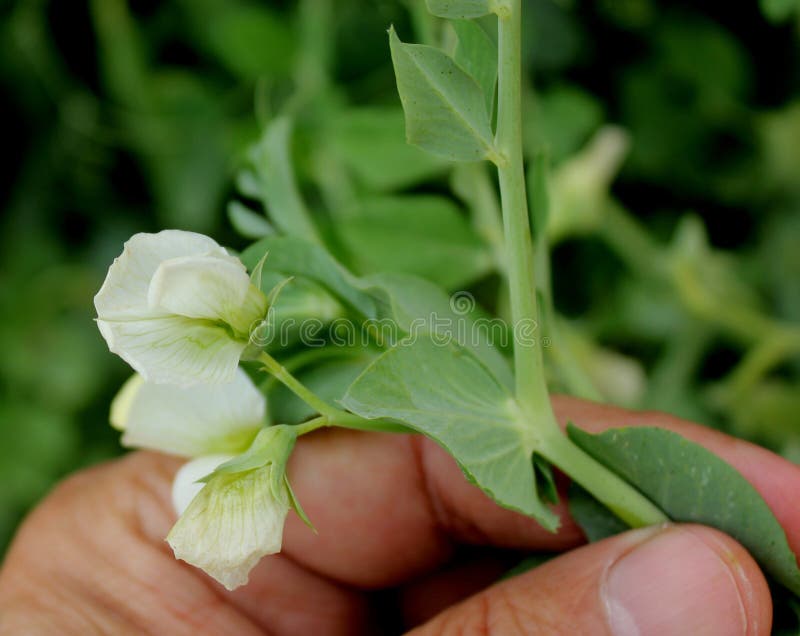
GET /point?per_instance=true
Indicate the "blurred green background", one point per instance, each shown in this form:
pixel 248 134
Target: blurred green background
pixel 124 116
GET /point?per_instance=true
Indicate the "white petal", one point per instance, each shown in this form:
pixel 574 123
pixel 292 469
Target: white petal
pixel 123 295
pixel 121 404
pixel 194 421
pixel 231 523
pixel 174 350
pixel 185 485
pixel 205 287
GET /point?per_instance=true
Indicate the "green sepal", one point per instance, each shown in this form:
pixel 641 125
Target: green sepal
pixel 273 445
pixel 295 504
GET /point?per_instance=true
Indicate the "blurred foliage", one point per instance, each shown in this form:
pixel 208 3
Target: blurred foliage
pixel 676 279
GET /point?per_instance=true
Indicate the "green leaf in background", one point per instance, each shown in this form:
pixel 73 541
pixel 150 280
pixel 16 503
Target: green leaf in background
pixel 293 256
pixel 371 141
pixel 36 445
pixel 416 234
pixel 272 164
pixel 300 300
pixel 250 40
pixel 462 9
pixel 413 300
pixel 561 120
pixel 248 223
pixel 476 52
pixel 445 108
pixel 446 393
pixel 691 484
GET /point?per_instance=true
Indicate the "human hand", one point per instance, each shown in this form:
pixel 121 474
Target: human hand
pixel 393 513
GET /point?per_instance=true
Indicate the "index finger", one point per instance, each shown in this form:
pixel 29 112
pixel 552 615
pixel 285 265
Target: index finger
pixel 391 507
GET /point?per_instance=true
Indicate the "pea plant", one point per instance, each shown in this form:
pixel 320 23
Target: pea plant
pixel 238 355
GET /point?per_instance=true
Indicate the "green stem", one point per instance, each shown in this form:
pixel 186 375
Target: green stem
pixel 531 388
pixel 312 425
pixel 615 493
pixel 329 415
pixel 283 375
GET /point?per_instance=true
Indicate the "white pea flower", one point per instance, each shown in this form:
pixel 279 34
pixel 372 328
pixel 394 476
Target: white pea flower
pixel 233 521
pixel 178 308
pixel 236 517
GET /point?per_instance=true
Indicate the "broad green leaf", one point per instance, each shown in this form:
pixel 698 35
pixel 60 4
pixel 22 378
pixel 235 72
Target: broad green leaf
pixel 372 143
pixel 464 9
pixel 444 107
pixel 691 484
pixel 293 256
pixel 418 306
pixel 272 165
pixel 415 234
pixel 477 54
pixel 248 223
pixel 446 393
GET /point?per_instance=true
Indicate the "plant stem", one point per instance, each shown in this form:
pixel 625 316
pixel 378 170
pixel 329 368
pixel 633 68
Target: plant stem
pixel 329 415
pixel 615 493
pixel 283 375
pixel 531 389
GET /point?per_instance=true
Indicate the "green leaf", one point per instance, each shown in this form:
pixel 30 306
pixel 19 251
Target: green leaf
pixel 444 107
pixel 247 38
pixel 293 256
pixel 476 53
pixel 372 144
pixel 445 392
pixel 691 484
pixel 463 9
pixel 420 306
pixel 415 234
pixel 779 10
pixel 248 223
pixel 272 165
pixel 561 120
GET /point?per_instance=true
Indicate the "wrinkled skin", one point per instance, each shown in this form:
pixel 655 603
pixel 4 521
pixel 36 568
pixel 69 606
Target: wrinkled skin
pixel 403 542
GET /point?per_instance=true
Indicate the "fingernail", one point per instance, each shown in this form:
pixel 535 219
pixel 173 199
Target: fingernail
pixel 674 583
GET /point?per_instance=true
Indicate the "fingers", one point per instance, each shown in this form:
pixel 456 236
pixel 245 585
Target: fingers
pixel 401 504
pixel 672 580
pixel 388 509
pixel 396 502
pixel 92 560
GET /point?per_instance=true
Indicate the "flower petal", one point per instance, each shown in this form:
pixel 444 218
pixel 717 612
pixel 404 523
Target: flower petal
pixel 185 486
pixel 174 349
pixel 123 295
pixel 231 523
pixel 194 421
pixel 121 404
pixel 200 287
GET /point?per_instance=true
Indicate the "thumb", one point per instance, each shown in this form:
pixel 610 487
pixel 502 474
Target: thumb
pixel 655 581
